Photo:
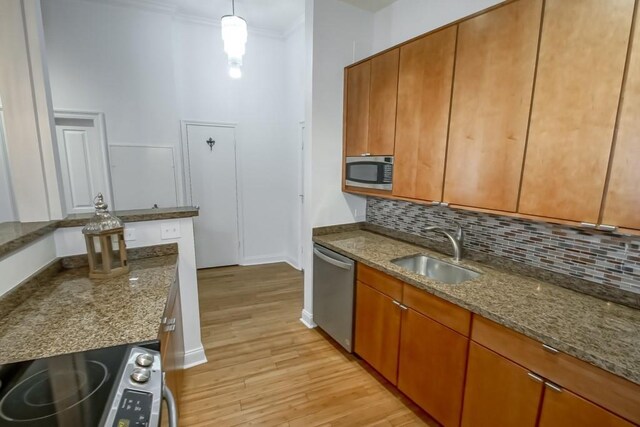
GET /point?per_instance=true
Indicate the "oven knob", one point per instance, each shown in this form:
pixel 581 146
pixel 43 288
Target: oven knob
pixel 140 375
pixel 144 359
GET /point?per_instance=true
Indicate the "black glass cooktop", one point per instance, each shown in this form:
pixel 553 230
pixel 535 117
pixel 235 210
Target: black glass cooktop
pixel 66 390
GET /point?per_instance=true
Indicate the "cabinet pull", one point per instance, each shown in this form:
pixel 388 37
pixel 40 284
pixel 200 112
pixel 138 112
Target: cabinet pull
pixel 164 320
pixel 435 203
pixel 603 227
pixel 403 307
pixel 396 303
pixel 365 154
pixel 170 328
pixel 171 321
pixel 587 225
pixel 550 349
pixel 535 377
pixel 445 204
pixel 553 387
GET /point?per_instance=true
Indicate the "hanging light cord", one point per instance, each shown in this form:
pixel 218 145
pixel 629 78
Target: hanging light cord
pixel 233 7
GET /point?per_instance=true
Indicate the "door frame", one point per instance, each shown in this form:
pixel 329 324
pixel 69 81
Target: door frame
pixel 301 193
pixel 186 174
pixel 99 122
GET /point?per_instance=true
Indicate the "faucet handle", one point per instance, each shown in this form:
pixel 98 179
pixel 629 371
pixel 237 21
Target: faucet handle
pixel 459 232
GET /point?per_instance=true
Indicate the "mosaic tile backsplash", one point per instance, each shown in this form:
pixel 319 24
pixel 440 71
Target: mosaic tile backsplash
pixel 604 258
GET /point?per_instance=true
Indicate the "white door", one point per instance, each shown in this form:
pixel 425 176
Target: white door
pixel 83 162
pixel 212 178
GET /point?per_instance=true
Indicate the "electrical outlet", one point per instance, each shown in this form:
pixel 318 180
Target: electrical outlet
pixel 169 230
pixel 129 234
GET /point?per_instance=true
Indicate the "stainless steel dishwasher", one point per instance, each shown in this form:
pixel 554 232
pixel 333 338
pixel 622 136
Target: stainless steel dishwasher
pixel 333 294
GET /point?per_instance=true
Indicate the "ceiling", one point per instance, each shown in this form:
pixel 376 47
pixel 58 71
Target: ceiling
pixel 370 5
pixel 277 16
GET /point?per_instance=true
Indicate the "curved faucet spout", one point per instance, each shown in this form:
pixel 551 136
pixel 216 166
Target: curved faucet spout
pixel 456 240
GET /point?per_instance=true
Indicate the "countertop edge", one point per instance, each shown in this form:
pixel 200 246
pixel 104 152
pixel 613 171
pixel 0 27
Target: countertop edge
pixel 536 335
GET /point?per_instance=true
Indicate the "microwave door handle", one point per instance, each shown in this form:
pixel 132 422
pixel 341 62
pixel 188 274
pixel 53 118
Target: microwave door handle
pixel 172 408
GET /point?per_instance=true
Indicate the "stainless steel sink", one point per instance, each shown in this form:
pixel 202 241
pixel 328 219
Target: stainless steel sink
pixel 435 269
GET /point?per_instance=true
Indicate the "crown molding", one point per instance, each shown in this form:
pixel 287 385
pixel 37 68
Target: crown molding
pixel 296 24
pixel 160 6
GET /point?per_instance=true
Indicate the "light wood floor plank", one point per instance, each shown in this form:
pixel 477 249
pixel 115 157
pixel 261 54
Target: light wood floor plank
pixel 266 368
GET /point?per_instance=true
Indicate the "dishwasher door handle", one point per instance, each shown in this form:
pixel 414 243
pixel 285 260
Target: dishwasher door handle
pixel 332 261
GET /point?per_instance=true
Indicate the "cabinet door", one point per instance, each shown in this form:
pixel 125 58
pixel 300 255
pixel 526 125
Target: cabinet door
pixel 432 366
pixel 583 50
pixel 563 408
pixel 424 96
pixel 498 392
pixel 622 200
pixel 495 66
pixel 357 105
pixel 382 103
pixel 377 333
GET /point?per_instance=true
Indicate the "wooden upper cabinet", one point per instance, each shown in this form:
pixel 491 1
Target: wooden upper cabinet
pixel 377 330
pixel 622 198
pixel 357 109
pixel 492 89
pixel 433 360
pixel 424 95
pixel 382 103
pixel 371 97
pixel 561 408
pixel 499 392
pixel 583 50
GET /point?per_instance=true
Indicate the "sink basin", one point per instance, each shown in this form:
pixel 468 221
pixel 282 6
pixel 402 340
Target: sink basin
pixel 435 269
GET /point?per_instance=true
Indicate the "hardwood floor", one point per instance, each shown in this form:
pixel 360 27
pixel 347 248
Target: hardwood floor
pixel 266 368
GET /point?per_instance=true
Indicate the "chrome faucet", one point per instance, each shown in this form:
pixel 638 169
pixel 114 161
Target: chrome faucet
pixel 456 240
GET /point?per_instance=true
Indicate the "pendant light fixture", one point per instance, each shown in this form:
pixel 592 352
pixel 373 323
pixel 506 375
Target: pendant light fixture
pixel 234 35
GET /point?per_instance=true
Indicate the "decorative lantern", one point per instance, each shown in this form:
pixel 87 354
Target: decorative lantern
pixel 105 230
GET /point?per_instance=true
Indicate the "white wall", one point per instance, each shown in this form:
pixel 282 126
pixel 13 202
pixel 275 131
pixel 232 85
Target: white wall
pixel 405 19
pixel 147 70
pixel 7 209
pixel 118 61
pixel 24 88
pixel 19 265
pixel 338 34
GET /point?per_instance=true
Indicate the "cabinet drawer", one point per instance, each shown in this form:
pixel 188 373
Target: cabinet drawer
pixel 380 281
pixel 614 393
pixel 444 312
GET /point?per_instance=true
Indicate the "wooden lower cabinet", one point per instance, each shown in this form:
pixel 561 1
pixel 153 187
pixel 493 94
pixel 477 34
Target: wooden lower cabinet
pixel 561 408
pixel 432 364
pixel 499 392
pixel 172 346
pixel 377 330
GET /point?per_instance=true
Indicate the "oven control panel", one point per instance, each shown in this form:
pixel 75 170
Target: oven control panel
pixel 138 398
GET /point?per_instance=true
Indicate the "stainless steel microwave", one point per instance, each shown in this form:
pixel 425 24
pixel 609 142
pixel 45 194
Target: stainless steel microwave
pixel 370 172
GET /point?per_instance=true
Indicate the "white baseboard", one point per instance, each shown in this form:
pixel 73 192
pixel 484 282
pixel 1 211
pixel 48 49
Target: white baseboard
pixel 263 259
pixel 194 357
pixel 292 262
pixel 307 319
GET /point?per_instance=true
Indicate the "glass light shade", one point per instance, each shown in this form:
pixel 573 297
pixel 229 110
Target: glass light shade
pixel 235 72
pixel 234 35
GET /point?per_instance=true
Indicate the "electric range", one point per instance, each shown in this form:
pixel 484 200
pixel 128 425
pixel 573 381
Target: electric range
pixel 118 386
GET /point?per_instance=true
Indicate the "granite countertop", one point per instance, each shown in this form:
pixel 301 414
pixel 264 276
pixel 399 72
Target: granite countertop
pixel 14 235
pixel 134 215
pixel 602 333
pixel 65 311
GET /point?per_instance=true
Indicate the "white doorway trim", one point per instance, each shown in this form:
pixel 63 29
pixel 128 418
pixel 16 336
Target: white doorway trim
pixel 186 168
pixel 99 122
pixel 301 194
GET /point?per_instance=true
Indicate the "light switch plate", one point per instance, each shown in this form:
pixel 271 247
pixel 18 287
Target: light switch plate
pixel 169 230
pixel 129 234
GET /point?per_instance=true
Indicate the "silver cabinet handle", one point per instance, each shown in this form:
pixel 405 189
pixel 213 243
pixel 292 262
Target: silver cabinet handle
pixel 396 303
pixel 402 306
pixel 535 377
pixel 339 264
pixel 172 408
pixel 435 203
pixel 164 320
pixel 553 387
pixel 550 349
pixel 365 154
pixel 603 227
pixel 445 204
pixel 170 328
pixel 171 321
pixel 587 225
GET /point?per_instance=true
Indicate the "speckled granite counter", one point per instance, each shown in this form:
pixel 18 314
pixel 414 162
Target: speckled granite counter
pixel 62 311
pixel 14 235
pixel 134 215
pixel 599 332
